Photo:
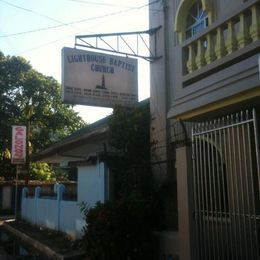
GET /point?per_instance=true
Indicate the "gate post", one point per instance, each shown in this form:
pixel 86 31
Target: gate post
pixel 185 203
pixel 60 189
pixel 36 203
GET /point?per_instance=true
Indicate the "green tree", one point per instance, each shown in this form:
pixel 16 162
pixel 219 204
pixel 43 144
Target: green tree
pixel 43 171
pixel 122 227
pixel 130 134
pixel 27 97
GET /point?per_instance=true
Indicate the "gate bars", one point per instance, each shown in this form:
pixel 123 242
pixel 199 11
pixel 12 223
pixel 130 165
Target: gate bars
pixel 226 183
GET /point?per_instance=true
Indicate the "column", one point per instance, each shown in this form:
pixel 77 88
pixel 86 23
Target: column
pixel 185 203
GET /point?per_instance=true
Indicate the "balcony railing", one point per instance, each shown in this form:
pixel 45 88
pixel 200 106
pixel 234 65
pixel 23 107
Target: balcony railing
pixel 222 39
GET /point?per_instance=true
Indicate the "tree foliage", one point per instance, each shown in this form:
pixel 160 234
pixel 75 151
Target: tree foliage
pixel 122 227
pixel 130 134
pixel 43 171
pixel 120 230
pixel 29 98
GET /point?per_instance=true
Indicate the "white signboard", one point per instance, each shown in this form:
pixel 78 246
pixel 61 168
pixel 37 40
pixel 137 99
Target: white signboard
pixel 97 79
pixel 18 144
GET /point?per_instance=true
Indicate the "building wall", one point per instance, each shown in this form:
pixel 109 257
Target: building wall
pixel 189 84
pixel 175 92
pixel 228 76
pixel 91 183
pixel 166 241
pixel 158 104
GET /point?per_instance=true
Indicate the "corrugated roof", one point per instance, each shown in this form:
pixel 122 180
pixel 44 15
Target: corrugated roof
pixel 93 130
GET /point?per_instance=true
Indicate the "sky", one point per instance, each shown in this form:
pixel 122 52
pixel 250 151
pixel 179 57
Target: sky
pixel 38 29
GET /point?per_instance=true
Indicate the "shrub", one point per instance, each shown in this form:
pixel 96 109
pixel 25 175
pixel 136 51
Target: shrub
pixel 118 230
pixel 121 229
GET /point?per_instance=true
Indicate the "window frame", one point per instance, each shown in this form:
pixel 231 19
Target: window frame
pixel 200 18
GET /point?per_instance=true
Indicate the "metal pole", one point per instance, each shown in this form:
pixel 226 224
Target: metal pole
pixel 241 182
pixel 252 179
pixel 245 147
pixel 223 192
pixel 257 146
pixel 26 179
pixel 229 210
pixel 236 186
pixel 195 181
pixel 16 192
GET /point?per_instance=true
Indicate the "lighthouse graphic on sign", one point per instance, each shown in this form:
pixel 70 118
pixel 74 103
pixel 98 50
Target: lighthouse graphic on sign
pixel 103 84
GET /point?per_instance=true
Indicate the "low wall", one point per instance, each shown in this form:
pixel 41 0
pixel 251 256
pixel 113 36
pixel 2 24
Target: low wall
pixel 53 213
pixel 7 197
pixel 8 190
pixel 71 220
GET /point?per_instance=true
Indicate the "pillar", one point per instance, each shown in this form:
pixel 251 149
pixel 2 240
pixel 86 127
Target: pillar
pixel 185 203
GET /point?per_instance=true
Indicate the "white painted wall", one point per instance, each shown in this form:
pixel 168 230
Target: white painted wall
pixel 65 215
pixel 47 212
pixel 91 183
pixel 71 219
pixel 60 215
pixel 28 209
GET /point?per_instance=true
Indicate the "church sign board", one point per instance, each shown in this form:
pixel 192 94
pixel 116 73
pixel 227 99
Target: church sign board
pixel 98 79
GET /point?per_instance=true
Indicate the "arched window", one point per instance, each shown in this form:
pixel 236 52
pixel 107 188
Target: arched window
pixel 197 20
pixel 192 16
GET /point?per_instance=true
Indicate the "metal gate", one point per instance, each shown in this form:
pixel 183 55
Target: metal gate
pixel 226 183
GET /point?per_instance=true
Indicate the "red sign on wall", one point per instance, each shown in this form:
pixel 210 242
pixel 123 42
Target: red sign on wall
pixel 18 144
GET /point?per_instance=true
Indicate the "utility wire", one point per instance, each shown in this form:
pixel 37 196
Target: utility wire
pixel 57 40
pixel 112 5
pixel 102 4
pixel 32 11
pixel 50 42
pixel 74 22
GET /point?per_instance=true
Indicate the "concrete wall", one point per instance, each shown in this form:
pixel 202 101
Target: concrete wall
pixel 174 93
pixel 47 213
pixel 158 93
pixel 6 197
pixel 71 219
pixel 65 216
pixel 228 76
pixel 53 213
pixel 28 209
pixel 91 183
pixel 223 85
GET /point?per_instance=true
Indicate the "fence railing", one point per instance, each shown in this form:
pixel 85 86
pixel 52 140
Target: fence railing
pixel 223 39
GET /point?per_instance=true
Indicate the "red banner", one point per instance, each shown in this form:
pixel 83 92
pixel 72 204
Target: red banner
pixel 18 144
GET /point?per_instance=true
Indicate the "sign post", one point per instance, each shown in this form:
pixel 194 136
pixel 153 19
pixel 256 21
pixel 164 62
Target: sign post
pixel 18 154
pixel 259 66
